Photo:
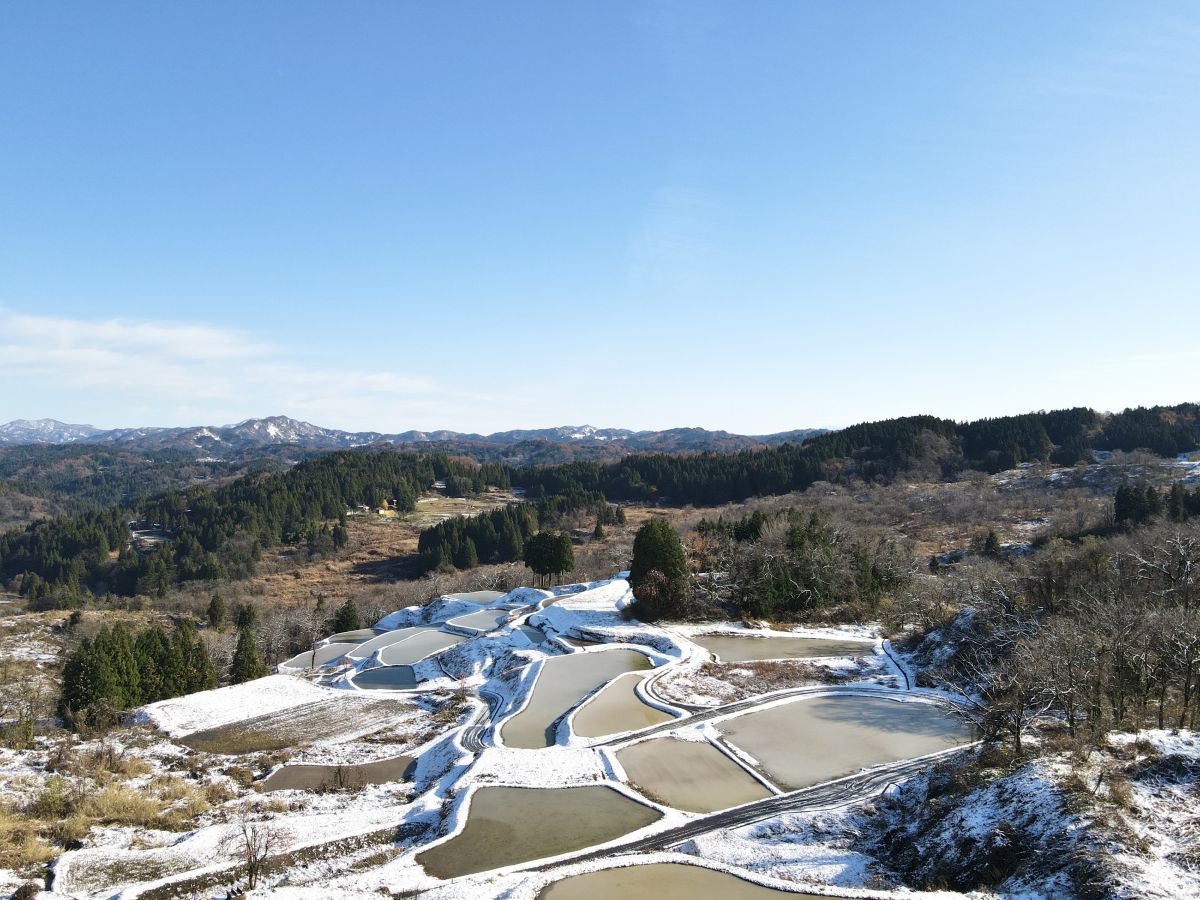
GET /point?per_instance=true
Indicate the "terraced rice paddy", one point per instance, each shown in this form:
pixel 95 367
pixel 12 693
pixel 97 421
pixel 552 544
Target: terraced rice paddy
pixel 387 678
pixel 510 825
pixel 311 659
pixel 738 648
pixel 689 775
pixel 615 709
pixel 561 684
pixel 663 881
pixel 416 648
pixel 367 649
pixel 484 620
pixel 318 778
pixel 337 719
pixel 811 740
pixel 353 637
pixel 483 598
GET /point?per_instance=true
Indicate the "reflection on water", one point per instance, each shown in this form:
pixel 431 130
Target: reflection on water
pixel 511 825
pixel 808 741
pixel 325 777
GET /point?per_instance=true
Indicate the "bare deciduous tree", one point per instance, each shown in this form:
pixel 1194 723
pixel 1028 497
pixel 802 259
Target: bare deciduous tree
pixel 254 841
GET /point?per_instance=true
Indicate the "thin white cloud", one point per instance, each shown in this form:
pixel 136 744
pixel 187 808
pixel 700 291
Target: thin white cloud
pixel 195 373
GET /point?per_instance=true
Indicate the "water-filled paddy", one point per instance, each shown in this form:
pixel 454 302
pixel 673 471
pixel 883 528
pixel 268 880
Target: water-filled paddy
pixel 663 881
pixel 480 597
pixel 352 637
pixel 367 649
pixel 319 778
pixel 689 775
pixel 387 678
pixel 736 648
pixel 484 620
pixel 615 709
pixel 511 825
pixel 581 642
pixel 808 741
pixel 563 682
pixel 311 659
pixel 416 648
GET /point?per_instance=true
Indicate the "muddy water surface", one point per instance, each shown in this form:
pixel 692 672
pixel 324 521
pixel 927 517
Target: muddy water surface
pixel 615 709
pixel 689 775
pixel 511 825
pixel 735 648
pixel 322 778
pixel 563 682
pixel 808 741
pixel 663 881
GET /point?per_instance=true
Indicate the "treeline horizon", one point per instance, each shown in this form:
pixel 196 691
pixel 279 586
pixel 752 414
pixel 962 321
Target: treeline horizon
pixel 219 534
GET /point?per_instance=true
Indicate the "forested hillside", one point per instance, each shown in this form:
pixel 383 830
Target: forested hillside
pixel 218 534
pixel 872 452
pixel 214 534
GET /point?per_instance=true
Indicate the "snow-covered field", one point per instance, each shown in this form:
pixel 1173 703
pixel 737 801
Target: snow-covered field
pixel 365 843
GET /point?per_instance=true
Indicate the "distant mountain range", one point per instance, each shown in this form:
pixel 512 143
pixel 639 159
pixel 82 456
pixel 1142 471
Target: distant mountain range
pixel 277 431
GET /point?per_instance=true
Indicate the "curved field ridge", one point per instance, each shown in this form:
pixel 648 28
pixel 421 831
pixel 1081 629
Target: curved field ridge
pixel 615 709
pixel 562 682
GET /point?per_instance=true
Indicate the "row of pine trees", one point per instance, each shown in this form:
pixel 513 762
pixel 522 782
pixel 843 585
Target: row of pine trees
pixel 118 670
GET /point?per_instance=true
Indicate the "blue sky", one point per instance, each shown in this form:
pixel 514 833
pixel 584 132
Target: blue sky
pixel 752 216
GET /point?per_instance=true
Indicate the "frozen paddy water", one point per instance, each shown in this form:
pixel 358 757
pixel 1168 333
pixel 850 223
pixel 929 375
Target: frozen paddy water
pixel 483 598
pixel 485 620
pixel 416 648
pixel 689 775
pixel 508 825
pixel 748 648
pixel 352 637
pixel 807 741
pixel 615 709
pixel 367 649
pixel 663 881
pixel 562 683
pixel 311 659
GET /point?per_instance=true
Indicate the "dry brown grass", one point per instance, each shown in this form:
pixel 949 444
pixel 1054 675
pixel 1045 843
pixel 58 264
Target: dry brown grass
pixel 20 844
pixel 119 804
